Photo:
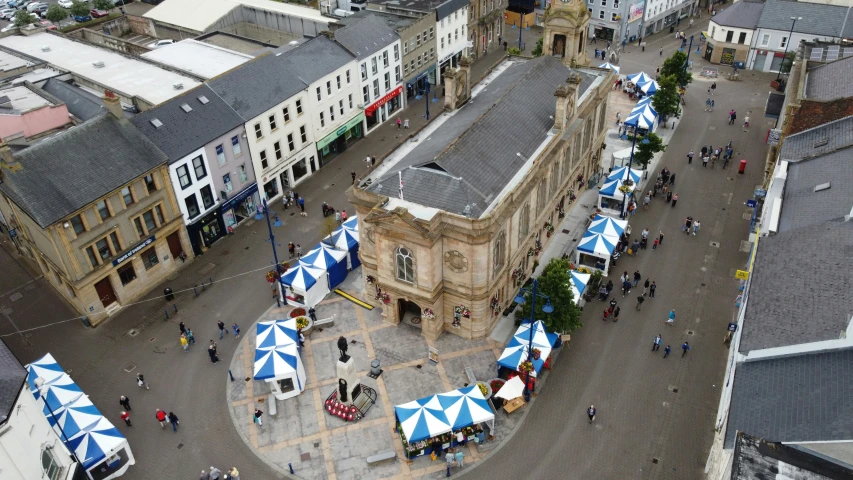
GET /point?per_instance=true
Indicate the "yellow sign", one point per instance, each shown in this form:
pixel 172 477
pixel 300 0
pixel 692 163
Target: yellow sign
pixel 742 275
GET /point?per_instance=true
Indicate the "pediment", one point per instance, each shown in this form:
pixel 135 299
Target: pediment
pixel 399 217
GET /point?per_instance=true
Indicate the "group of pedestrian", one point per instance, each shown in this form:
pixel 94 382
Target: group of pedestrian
pixel 690 226
pixel 400 123
pixel 294 250
pixel 216 474
pixel 454 458
pixel 187 337
pixel 293 198
pixel 656 343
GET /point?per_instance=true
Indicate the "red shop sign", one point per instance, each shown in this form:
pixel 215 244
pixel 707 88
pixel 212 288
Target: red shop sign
pixel 382 101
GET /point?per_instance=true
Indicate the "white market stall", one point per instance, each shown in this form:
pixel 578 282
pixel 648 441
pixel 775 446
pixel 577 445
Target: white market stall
pixel 515 353
pixel 346 239
pixel 610 66
pixel 607 226
pixel 649 88
pixel 638 78
pixel 642 119
pixel 351 223
pixel 578 285
pixel 595 249
pixel 623 173
pixel 450 419
pixel 303 286
pixel 277 358
pixel 103 451
pixel 512 389
pixel 611 198
pixel 330 259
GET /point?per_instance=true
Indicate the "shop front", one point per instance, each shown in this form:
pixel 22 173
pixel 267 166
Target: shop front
pixel 206 231
pixel 336 142
pixel 418 85
pixel 603 32
pixel 381 110
pixel 449 61
pixel 239 207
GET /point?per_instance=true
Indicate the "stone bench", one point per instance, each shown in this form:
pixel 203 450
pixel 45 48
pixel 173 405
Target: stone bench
pixel 469 372
pixel 325 322
pixel 381 457
pixel 273 409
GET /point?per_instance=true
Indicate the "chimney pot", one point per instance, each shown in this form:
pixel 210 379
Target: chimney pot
pixel 113 105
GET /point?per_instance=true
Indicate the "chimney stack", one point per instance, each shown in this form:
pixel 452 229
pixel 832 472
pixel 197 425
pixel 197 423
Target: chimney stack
pixel 113 105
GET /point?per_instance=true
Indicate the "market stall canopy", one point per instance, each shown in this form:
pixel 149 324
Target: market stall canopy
pixel 301 277
pixel 607 226
pixel 516 350
pixel 75 417
pixel 641 117
pixel 644 101
pixel 422 419
pixel 343 238
pixel 579 282
pixel 597 244
pixel 610 66
pixel 622 173
pixel 323 257
pixel 46 368
pixel 638 78
pixel 611 189
pixel 465 407
pixel 512 389
pixel 649 88
pixel 351 223
pixel 276 362
pixel 60 392
pixel 276 333
pixel 96 441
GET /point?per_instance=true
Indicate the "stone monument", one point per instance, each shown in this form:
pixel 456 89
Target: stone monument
pixel 348 382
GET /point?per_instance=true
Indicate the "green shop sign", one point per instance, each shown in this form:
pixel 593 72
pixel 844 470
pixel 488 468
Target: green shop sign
pixel 356 120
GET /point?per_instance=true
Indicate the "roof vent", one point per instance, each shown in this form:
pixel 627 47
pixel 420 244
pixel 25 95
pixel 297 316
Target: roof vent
pixel 821 141
pixel 178 86
pixel 822 187
pixel 45 48
pixel 186 108
pixel 156 122
pixel 203 100
pixel 98 64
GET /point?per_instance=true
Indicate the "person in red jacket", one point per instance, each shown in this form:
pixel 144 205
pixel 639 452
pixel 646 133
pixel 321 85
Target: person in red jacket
pixel 126 417
pixel 161 417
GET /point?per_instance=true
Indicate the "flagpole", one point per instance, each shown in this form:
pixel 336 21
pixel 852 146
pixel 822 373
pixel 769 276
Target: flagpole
pixel 400 175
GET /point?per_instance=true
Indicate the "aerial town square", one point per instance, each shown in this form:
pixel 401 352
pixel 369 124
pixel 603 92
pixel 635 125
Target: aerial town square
pixel 421 239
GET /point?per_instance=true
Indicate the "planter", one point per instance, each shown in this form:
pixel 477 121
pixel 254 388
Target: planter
pixel 488 393
pixel 297 312
pixel 307 330
pixel 494 381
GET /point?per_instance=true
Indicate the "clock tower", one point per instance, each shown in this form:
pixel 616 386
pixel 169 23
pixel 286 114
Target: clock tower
pixel 566 27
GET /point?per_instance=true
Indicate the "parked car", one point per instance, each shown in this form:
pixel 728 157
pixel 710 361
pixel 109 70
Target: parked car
pixel 33 6
pixel 47 24
pixel 98 13
pixel 24 4
pixel 82 18
pixel 7 13
pixel 41 10
pixel 65 3
pixel 161 43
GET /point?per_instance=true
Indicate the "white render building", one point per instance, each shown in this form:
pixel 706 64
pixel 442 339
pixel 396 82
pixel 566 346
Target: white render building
pixel 376 47
pixel 451 19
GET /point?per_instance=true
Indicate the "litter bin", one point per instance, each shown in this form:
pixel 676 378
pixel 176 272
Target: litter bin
pixel 742 166
pixel 374 367
pixel 86 323
pixel 168 293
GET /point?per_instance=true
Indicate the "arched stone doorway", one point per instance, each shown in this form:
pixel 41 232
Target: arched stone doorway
pixel 559 46
pixel 409 312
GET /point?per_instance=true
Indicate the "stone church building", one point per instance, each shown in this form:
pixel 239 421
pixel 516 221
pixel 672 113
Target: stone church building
pixel 453 226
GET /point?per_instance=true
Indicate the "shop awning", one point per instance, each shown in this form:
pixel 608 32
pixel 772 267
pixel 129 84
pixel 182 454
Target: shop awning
pixel 443 413
pixel 597 244
pixel 382 101
pixel 622 173
pixel 301 277
pixel 638 78
pixel 579 282
pixel 607 226
pixel 516 350
pixel 611 189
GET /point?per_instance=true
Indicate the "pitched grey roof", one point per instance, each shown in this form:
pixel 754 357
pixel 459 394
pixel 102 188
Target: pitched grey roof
pixel 830 81
pixel 366 36
pixel 802 206
pixel 800 287
pixel 818 19
pixel 461 165
pixel 80 103
pixel 12 377
pixel 755 459
pixel 743 14
pixel 800 398
pixel 183 132
pixel 261 84
pixel 447 8
pixel 818 141
pixel 395 21
pixel 64 173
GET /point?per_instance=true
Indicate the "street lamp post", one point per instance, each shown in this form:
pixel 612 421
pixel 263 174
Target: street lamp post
pixel 426 98
pixel 548 308
pixel 42 389
pixel 274 251
pixel 785 55
pixel 520 28
pixel 644 141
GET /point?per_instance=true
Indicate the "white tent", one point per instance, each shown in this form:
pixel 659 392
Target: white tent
pixel 512 389
pixel 304 286
pixel 611 198
pixel 596 248
pixel 443 413
pixel 277 358
pixel 516 351
pixel 578 285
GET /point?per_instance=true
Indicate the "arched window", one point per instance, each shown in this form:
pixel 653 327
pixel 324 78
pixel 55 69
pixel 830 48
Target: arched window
pixel 405 265
pixel 602 110
pixel 555 179
pixel 499 252
pixel 49 465
pixel 567 159
pixel 576 150
pixel 524 221
pixel 541 196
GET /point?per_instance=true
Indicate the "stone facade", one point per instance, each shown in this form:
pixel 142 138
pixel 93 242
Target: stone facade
pixel 566 27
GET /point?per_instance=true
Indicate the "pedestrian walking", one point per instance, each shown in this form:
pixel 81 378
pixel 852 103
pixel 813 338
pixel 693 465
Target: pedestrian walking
pixel 353 177
pixel 695 227
pixel 301 203
pixel 460 458
pixel 674 200
pixel 140 380
pixel 640 300
pixel 672 179
pixel 646 201
pixel 590 412
pixel 312 314
pixel 660 236
pixel 372 161
pixel 687 223
pixel 124 402
pixel 704 150
pixel 685 347
pixel 406 124
pixel 646 287
pixel 190 336
pixel 637 277
pixel 204 475
pixel 661 51
pixel 183 328
pixel 344 215
pixel 705 159
pixel 338 217
pixel 655 244
pixel 746 121
pixel 399 123
pixel 732 117
pixel 626 287
pixel 367 162
pixel 713 88
pixel 656 343
pixel 712 104
pixel 652 289
pixel 291 248
pixel 173 419
pixel 609 287
pixel 618 118
pixel 635 246
pixel 257 416
pixel 670 320
pixel 185 344
pixel 215 473
pixel 708 103
pixel 211 351
pixel 160 415
pixel 449 458
pixel 666 351
pixel 690 157
pixel 126 417
pixel 222 330
pixel 233 474
pixel 298 251
pixel 301 339
pixel 236 329
pixel 616 314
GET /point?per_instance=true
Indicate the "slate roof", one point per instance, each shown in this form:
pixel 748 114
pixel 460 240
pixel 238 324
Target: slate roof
pixel 79 102
pixel 366 36
pixel 800 398
pixel 800 286
pixel 817 141
pixel 755 459
pixel 12 377
pixel 743 14
pixel 461 164
pixel 818 19
pixel 263 83
pixel 802 206
pixel 395 21
pixel 64 173
pixel 830 81
pixel 184 132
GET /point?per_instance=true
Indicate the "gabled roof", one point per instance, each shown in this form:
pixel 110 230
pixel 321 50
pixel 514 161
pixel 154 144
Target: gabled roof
pixel 802 206
pixel 461 168
pixel 800 287
pixel 12 377
pixel 64 173
pixel 366 36
pixel 181 132
pixel 756 458
pixel 743 14
pixel 818 141
pixel 801 398
pixel 79 102
pixel 265 82
pixel 817 18
pixel 830 81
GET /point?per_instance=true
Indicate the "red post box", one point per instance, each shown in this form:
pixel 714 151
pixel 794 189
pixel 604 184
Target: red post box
pixel 742 166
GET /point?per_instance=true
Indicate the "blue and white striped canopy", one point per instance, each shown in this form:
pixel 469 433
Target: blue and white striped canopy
pixel 649 88
pixel 622 173
pixel 95 442
pixel 641 117
pixel 607 226
pixel 611 189
pixel 465 407
pixel 516 350
pixel 323 257
pixel 343 238
pixel 597 244
pixel 610 66
pixel 274 333
pixel 422 419
pixel 74 417
pixel 351 223
pixel 60 392
pixel 644 101
pixel 579 282
pixel 301 277
pixel 277 362
pixel 46 368
pixel 639 78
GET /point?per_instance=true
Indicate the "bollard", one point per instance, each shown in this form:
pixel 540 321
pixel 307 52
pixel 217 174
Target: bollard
pixel 195 290
pixel 167 313
pixel 290 466
pixel 202 286
pixel 230 375
pixel 176 307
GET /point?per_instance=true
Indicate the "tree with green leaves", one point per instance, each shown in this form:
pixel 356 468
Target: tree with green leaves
pixel 787 62
pixel 674 65
pixel 55 13
pixel 79 9
pixel 666 101
pixel 23 17
pixel 103 4
pixel 644 152
pixel 537 50
pixel 555 283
